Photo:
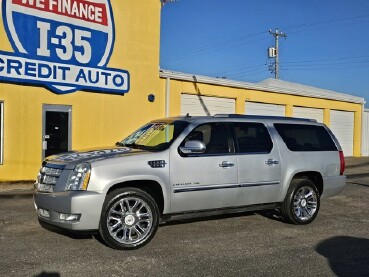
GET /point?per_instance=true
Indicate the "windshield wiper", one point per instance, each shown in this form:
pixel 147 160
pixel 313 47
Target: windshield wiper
pixel 134 145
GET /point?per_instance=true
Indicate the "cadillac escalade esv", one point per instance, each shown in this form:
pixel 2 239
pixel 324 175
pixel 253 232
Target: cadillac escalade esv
pixel 184 167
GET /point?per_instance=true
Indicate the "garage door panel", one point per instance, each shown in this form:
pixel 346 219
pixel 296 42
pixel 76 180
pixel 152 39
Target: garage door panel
pixel 254 108
pixel 206 105
pixel 365 139
pixel 311 113
pixel 342 126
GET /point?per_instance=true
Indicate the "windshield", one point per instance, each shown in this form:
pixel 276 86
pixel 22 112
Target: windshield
pixel 155 136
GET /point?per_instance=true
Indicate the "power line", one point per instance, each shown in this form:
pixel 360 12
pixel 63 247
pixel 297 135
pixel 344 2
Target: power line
pixel 236 41
pixel 298 26
pixel 328 59
pixel 292 65
pixel 325 68
pixel 210 48
pixel 216 44
pixel 329 64
pixel 247 74
pixel 240 69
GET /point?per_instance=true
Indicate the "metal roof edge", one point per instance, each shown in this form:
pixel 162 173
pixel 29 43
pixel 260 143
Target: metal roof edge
pixel 324 94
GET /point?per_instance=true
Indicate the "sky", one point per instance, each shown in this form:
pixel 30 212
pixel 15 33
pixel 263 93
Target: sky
pixel 327 43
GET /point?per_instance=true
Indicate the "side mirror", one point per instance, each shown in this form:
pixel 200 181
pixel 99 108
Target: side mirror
pixel 193 147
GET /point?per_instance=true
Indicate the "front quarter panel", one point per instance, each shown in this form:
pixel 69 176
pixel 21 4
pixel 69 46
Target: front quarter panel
pixel 107 173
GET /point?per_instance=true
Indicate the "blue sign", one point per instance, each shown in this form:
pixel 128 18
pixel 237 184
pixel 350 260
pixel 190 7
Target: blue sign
pixel 64 45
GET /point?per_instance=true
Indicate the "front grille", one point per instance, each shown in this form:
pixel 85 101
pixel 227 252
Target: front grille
pixel 48 176
pixel 51 171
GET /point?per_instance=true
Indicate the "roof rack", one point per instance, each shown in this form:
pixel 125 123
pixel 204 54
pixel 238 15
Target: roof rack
pixel 264 117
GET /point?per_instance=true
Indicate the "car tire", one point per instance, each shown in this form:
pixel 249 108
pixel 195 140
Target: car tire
pixel 302 202
pixel 129 219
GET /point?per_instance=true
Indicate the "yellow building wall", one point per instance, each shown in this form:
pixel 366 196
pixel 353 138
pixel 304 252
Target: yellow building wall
pixel 100 119
pixel 97 119
pixel 178 87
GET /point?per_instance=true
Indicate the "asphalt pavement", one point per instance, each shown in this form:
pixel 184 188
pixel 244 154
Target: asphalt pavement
pixel 249 244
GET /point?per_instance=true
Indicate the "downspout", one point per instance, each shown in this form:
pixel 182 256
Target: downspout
pixel 167 97
pixel 362 130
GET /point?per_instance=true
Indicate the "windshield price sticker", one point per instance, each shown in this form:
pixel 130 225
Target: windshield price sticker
pixel 150 133
pixel 62 44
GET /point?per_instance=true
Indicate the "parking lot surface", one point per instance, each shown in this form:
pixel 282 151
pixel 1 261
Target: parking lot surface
pixel 248 244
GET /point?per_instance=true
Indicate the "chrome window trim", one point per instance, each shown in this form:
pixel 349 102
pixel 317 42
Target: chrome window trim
pixel 231 186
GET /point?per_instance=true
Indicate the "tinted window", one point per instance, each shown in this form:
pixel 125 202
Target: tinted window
pixel 252 138
pixel 215 137
pixel 305 137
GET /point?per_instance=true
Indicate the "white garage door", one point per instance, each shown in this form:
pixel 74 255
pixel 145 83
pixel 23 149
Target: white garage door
pixel 310 113
pixel 342 125
pixel 206 105
pixel 254 108
pixel 365 140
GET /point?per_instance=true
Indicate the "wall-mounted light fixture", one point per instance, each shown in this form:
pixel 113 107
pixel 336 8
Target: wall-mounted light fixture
pixel 151 97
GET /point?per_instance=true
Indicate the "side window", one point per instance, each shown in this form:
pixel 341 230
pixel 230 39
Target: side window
pixel 252 138
pixel 300 137
pixel 215 137
pixel 1 131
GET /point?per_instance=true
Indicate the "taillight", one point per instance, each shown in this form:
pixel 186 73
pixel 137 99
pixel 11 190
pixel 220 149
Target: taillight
pixel 342 163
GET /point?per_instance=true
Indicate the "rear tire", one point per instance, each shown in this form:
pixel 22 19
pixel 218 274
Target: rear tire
pixel 129 219
pixel 302 202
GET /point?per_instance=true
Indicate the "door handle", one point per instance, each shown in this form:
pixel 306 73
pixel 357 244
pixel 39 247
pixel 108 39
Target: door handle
pixel 271 162
pixel 226 164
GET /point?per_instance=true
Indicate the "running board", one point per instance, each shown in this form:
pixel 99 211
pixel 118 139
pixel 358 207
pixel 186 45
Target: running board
pixel 215 212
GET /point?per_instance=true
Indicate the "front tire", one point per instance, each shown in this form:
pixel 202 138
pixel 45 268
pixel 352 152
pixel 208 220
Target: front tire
pixel 129 219
pixel 302 202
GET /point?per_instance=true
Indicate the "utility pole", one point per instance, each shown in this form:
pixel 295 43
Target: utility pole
pixel 276 34
pixel 163 2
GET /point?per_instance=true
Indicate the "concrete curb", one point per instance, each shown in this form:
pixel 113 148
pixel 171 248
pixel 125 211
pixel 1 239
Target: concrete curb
pixel 16 194
pixel 21 189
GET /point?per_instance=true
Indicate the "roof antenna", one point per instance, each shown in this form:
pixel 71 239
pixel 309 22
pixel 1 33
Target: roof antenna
pixel 187 115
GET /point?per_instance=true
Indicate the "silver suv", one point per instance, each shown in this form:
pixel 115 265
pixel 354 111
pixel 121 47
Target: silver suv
pixel 187 167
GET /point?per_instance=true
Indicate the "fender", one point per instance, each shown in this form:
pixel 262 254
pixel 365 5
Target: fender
pixel 123 179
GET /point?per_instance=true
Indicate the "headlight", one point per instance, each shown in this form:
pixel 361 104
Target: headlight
pixel 79 178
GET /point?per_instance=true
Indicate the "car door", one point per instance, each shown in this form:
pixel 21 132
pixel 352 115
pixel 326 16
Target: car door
pixel 208 180
pixel 259 165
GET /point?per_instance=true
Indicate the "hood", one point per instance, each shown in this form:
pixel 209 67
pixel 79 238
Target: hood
pixel 81 156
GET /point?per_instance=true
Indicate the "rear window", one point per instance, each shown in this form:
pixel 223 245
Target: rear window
pixel 306 137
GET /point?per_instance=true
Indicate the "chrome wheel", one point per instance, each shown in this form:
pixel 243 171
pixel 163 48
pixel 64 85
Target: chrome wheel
pixel 305 203
pixel 302 202
pixel 129 220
